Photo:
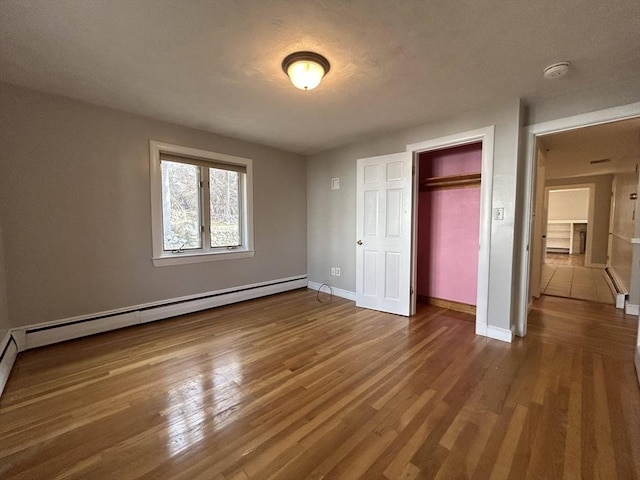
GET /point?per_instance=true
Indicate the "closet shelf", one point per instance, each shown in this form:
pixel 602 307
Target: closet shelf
pixel 450 181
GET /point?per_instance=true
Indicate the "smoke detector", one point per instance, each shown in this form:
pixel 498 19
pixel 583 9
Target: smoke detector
pixel 556 70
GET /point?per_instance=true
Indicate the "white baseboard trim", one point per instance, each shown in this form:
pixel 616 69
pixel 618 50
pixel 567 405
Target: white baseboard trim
pixel 8 354
pixel 338 292
pixel 497 333
pixel 632 309
pixel 38 335
pixel 597 265
pixel 638 363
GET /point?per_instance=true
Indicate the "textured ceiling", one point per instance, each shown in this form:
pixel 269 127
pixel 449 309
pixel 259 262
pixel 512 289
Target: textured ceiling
pixel 215 65
pixel 569 154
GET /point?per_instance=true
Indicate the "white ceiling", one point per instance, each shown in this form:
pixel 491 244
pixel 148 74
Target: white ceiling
pixel 569 154
pixel 215 65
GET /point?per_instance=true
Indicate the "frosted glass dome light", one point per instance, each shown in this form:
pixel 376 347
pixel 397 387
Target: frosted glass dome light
pixel 305 69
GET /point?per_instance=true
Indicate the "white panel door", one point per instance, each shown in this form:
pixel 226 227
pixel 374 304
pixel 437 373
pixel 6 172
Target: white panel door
pixel 383 250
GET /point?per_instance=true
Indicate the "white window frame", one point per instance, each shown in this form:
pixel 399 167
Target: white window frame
pixel 162 257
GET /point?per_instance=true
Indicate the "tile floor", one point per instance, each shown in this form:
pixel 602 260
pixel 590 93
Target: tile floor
pixel 564 276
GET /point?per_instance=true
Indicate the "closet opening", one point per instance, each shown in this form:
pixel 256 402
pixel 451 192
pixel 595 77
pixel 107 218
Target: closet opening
pixel 448 227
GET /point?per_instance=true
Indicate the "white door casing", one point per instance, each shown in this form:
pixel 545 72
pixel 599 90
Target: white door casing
pixel 486 136
pixel 383 230
pixel 538 225
pixel 531 133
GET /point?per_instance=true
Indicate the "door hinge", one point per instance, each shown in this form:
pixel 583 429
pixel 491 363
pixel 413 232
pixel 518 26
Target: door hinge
pixel 413 169
pixel 202 228
pixel 201 184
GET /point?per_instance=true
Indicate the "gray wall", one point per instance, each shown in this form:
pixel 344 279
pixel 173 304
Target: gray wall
pixel 581 101
pixel 76 214
pixel 331 213
pixel 4 311
pixel 601 211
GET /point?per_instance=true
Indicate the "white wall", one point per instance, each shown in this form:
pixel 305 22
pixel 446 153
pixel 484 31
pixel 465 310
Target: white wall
pixel 76 213
pixel 569 204
pixel 331 213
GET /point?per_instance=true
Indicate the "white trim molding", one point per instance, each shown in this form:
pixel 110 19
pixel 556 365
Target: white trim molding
pixel 338 292
pixel 638 363
pixel 632 309
pixel 161 257
pixel 598 117
pixel 497 333
pixel 485 135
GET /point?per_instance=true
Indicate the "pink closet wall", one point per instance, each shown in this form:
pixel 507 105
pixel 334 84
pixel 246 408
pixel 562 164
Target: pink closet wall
pixel 448 227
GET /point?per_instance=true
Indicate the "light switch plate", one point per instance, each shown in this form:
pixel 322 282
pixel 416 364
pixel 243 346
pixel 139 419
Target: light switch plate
pixel 335 184
pixel 498 213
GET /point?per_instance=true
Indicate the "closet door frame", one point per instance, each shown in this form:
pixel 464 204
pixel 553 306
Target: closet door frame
pixel 486 137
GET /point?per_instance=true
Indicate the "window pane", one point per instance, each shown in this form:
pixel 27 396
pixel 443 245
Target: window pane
pixel 181 206
pixel 225 208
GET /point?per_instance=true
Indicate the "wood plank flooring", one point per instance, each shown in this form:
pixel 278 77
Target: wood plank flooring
pixel 285 387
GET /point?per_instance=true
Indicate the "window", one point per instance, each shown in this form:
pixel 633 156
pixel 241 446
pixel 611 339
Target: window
pixel 201 205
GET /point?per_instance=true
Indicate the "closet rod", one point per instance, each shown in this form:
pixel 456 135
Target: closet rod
pixel 467 180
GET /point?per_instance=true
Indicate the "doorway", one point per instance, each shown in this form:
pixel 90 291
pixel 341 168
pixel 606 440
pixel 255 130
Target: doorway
pixel 448 226
pixel 386 228
pixel 567 267
pixel 567 222
pixel 483 137
pixel 597 148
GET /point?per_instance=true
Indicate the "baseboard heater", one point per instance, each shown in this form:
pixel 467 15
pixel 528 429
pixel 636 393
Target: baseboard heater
pixel 617 288
pixel 7 358
pixel 58 331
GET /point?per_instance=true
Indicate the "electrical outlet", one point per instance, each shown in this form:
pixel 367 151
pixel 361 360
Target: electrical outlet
pixel 337 271
pixel 333 271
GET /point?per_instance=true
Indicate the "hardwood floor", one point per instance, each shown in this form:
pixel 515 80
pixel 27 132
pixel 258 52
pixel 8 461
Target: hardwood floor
pixel 285 387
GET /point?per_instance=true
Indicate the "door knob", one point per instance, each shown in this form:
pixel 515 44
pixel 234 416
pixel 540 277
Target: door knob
pixel 359 242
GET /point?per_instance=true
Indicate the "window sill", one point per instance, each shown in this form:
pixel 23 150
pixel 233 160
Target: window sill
pixel 185 258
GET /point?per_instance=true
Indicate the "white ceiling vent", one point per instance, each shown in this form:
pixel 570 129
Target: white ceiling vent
pixel 556 70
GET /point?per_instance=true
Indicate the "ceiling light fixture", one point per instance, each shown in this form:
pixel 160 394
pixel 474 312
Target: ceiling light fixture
pixel 556 70
pixel 305 69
